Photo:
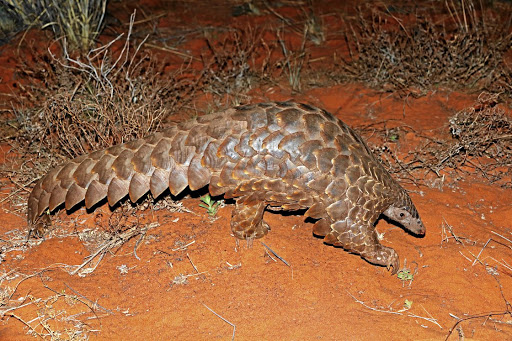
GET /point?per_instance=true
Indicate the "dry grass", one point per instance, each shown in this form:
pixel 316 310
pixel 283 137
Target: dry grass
pixel 460 47
pixel 294 60
pixel 77 22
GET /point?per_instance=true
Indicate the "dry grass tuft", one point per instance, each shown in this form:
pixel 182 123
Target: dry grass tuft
pixel 77 22
pixel 294 61
pixel 459 47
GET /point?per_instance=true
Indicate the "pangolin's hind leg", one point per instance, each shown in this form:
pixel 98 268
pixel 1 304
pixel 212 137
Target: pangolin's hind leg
pixel 247 220
pixel 362 239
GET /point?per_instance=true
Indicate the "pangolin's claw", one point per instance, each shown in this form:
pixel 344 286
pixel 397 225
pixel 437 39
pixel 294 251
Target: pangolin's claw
pixel 384 256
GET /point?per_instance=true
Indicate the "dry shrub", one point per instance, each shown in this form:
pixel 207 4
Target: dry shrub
pixel 463 49
pixel 78 105
pixel 87 114
pixel 128 101
pixel 484 130
pixel 230 66
pixel 479 142
pixel 245 58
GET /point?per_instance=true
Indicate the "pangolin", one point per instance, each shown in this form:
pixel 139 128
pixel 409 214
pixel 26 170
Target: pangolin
pixel 278 156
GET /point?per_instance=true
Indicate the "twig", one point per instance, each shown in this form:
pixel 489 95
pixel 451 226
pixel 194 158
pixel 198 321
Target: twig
pixel 508 240
pixel 95 304
pixel 429 319
pixel 270 255
pixel 477 258
pixel 275 254
pixel 90 258
pixel 463 255
pixel 24 279
pixel 223 319
pixel 26 324
pixel 183 247
pixel 503 263
pixel 158 16
pixel 143 235
pixel 489 314
pixel 450 229
pixel 172 50
pixel 193 265
pixel 60 294
pixel 4 312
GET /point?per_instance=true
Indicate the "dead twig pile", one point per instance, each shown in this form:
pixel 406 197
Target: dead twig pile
pixel 481 131
pixel 60 316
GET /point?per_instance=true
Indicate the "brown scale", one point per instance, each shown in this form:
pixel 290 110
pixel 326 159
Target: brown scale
pixel 281 156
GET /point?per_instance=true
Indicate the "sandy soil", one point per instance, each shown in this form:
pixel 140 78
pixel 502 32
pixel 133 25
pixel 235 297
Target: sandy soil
pixel 177 292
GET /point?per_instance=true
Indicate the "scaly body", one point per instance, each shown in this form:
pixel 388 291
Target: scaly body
pixel 281 156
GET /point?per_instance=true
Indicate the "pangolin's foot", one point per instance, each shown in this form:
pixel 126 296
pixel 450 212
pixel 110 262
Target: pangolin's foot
pixel 382 255
pixel 40 227
pixel 247 221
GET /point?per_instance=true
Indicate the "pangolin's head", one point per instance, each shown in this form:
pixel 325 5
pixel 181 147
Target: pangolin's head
pixel 405 213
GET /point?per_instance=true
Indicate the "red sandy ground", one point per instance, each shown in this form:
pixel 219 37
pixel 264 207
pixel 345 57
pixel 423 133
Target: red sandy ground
pixel 325 293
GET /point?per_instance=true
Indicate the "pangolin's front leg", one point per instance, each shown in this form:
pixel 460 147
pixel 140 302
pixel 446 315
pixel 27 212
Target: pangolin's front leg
pixel 247 220
pixel 362 239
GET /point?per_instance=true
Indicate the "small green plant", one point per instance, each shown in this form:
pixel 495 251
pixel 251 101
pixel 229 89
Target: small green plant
pixel 405 275
pixel 211 205
pixel 407 305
